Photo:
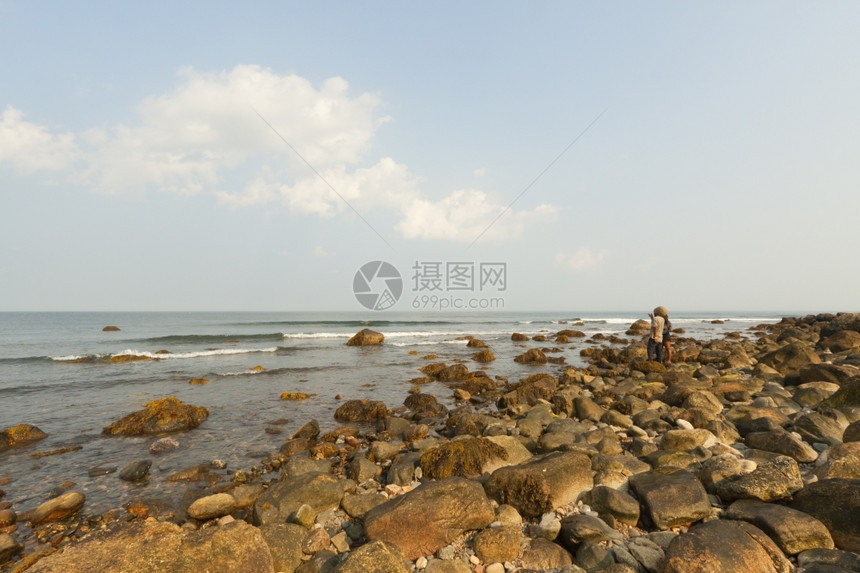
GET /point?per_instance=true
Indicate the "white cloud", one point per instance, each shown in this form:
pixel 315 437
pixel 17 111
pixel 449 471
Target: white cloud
pixel 479 172
pixel 28 147
pixel 464 215
pixel 320 251
pixel 581 260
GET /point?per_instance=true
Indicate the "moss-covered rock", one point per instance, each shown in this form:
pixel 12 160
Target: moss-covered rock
pixel 159 416
pixel 20 435
pixel 464 457
pixel 361 411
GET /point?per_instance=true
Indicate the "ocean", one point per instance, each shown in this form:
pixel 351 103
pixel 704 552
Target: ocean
pixel 56 374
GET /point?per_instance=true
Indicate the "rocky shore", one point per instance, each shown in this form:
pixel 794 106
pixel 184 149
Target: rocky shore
pixel 742 456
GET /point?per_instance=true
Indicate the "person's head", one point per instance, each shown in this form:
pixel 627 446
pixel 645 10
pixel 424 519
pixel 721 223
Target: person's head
pixel 661 311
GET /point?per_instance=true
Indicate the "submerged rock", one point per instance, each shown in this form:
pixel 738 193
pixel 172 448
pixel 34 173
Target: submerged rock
pixel 366 337
pixel 159 416
pixel 20 435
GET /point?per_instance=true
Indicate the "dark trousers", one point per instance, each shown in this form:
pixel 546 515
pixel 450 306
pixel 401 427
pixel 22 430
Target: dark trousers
pixel 655 350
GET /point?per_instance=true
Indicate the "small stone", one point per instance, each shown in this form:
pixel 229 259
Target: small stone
pixel 163 445
pixel 212 506
pixel 58 508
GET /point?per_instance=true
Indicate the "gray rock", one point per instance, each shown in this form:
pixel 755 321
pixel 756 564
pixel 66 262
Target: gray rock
pixel 646 552
pixel 578 528
pixel 608 501
pixel 319 491
pixel 815 427
pixel 836 503
pixel 842 461
pixel 843 560
pixel 135 471
pixel 285 544
pixel 543 554
pixel 781 442
pixel 671 497
pixel 58 507
pixel 792 530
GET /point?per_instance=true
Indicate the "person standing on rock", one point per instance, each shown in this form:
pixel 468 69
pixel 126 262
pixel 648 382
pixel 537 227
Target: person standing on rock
pixel 667 335
pixel 655 338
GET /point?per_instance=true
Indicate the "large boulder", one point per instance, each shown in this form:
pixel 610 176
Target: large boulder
pixel 464 457
pixel 841 341
pixel 162 547
pixel 543 483
pixel 769 481
pixel 790 358
pixel 366 337
pixel 792 530
pixel 836 503
pixel 847 396
pixel 157 417
pixel 20 435
pixel 375 556
pixel 430 516
pixel 724 547
pixel 671 497
pixel 317 490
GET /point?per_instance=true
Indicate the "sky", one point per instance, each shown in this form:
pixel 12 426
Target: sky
pixel 594 156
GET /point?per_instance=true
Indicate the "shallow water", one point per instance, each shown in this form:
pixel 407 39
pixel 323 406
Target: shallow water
pixel 55 374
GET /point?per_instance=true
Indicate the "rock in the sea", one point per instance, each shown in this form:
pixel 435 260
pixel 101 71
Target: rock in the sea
pixel 792 530
pixel 672 497
pixel 430 516
pixel 361 411
pixel 532 356
pixel 366 337
pixel 160 445
pixel 483 356
pixel 724 546
pixel 542 483
pixel 426 405
pixel 110 328
pixel 159 416
pixel 212 506
pixel 162 547
pixel 58 508
pixel 836 503
pixel 20 435
pixel 135 471
pixel 8 547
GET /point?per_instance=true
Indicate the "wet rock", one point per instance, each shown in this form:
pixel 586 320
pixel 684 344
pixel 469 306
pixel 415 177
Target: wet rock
pixel 519 337
pixel 430 516
pixel 212 506
pixel 159 416
pixel 773 479
pixel 8 547
pixel 542 483
pixel 163 445
pixel 724 547
pixel 366 337
pixel 135 471
pixel 836 503
pixel 309 431
pixel 162 547
pixel 426 405
pixel 361 411
pixel 792 530
pixel 476 343
pixel 58 508
pixel 529 392
pixel 110 328
pixel 672 497
pixel 20 435
pixel 483 356
pixel 847 396
pixel 532 356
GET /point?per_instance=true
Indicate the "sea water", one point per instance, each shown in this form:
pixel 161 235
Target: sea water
pixel 56 374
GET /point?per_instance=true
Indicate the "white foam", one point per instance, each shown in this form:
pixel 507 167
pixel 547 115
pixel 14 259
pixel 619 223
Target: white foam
pixel 202 353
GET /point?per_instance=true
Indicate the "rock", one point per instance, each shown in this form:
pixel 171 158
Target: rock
pixel 361 469
pixel 483 356
pixel 162 547
pixel 672 497
pixel 199 381
pixel 841 341
pixel 724 547
pixel 426 405
pixel 7 517
pixel 519 337
pixel 375 556
pixel 8 547
pixel 359 505
pixel 294 396
pixel 828 561
pixel 110 328
pixel 841 461
pixel 532 356
pixel 318 490
pixel 135 471
pixel 159 416
pixel 464 457
pixel 811 394
pixel 792 530
pixel 212 506
pixel 430 516
pixel 529 392
pixel 498 544
pixel 579 528
pixel 361 411
pixel 476 343
pixel 852 432
pixel 285 544
pixel 816 427
pixel 308 431
pixel 543 554
pixel 316 540
pixel 848 395
pixel 58 508
pixel 771 480
pixel 789 359
pixel 20 435
pixel 542 483
pixel 683 440
pixel 163 445
pixel 608 501
pixel 366 337
pixel 781 442
pixel 836 503
pixel 827 372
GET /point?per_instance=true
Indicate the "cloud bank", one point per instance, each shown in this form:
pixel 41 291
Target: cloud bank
pixel 208 131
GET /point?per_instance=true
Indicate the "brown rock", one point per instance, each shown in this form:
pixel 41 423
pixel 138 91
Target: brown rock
pixel 110 328
pixel 532 356
pixel 483 356
pixel 366 337
pixel 836 503
pixel 430 516
pixel 361 411
pixel 20 435
pixel 159 416
pixel 790 358
pixel 792 530
pixel 376 556
pixel 464 457
pixel 211 506
pixel 498 544
pixel 317 490
pixel 58 508
pixel 671 496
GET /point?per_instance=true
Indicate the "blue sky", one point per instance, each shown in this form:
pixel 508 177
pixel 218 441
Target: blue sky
pixel 721 173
